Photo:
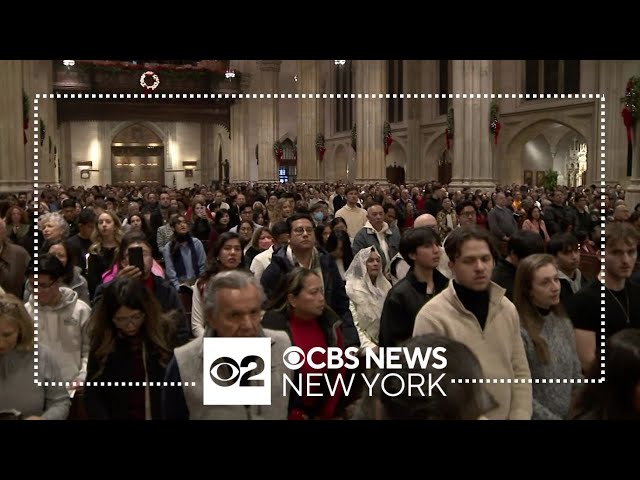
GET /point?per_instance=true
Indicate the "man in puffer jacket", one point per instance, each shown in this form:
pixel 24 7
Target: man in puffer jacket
pixel 62 320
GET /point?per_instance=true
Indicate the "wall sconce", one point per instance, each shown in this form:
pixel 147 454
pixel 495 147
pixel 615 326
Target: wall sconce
pixel 340 62
pixel 189 164
pixel 85 164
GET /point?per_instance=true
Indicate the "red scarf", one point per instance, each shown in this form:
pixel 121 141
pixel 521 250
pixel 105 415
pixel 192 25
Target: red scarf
pixel 307 334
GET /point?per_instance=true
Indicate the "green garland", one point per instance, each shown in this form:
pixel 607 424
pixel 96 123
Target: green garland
pixel 493 116
pixel 631 98
pixel 450 122
pixel 354 136
pixel 319 141
pixel 181 74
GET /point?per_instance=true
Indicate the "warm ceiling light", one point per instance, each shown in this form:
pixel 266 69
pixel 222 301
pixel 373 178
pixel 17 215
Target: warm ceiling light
pixel 68 63
pixel 340 62
pixel 230 74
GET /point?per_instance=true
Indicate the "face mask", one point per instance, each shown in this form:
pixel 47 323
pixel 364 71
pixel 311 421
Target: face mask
pixel 318 216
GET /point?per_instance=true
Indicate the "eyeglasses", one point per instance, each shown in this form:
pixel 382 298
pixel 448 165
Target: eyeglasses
pixel 467 214
pixel 124 321
pixel 301 230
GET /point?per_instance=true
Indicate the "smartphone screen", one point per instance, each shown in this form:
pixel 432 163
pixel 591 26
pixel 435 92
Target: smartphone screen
pixel 135 258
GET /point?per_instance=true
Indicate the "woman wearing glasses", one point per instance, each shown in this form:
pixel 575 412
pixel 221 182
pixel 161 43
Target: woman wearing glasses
pixel 131 341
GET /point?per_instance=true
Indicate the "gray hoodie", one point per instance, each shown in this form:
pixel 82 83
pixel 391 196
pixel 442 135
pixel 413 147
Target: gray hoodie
pixel 63 328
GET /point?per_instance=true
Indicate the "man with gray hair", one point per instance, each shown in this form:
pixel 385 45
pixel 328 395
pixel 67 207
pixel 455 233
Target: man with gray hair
pixel 232 309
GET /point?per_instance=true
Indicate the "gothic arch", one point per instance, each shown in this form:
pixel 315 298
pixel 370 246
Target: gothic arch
pixel 431 154
pixel 121 126
pixel 542 136
pixel 137 154
pixel 340 162
pixel 397 154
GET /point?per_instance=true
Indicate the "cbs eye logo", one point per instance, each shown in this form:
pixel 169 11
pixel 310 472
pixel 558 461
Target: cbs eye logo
pixel 293 358
pixel 226 372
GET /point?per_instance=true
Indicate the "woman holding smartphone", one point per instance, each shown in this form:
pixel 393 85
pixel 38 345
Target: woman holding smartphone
pixel 135 261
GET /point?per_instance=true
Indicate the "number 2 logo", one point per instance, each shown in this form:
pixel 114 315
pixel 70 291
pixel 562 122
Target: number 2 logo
pixel 226 372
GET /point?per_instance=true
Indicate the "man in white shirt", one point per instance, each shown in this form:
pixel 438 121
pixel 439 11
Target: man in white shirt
pixel 353 215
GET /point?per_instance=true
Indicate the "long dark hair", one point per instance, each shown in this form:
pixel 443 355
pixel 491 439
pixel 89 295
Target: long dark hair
pixel 213 264
pixel 614 399
pixel 67 276
pixel 126 292
pixel 332 244
pixel 530 318
pixel 293 285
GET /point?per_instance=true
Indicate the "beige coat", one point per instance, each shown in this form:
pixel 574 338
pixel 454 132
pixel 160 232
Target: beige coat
pixel 499 346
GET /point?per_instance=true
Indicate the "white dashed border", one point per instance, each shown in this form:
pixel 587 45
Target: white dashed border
pixel 87 96
pixel 603 223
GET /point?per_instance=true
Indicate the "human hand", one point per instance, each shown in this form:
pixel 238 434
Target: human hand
pixel 130 272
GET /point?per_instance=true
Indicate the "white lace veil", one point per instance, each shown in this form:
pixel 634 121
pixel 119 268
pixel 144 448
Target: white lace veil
pixel 356 276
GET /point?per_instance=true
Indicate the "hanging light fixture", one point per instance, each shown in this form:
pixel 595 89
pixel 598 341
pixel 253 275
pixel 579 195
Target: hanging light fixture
pixel 229 74
pixel 295 78
pixel 340 62
pixel 68 63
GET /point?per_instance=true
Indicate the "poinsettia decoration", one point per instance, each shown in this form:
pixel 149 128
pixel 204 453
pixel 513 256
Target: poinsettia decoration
pixel 320 148
pixel 630 114
pixel 354 137
pixel 494 122
pixel 277 150
pixel 448 132
pixel 387 137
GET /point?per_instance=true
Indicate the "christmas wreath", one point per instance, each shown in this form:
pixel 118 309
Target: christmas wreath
pixel 630 114
pixel 145 85
pixel 448 132
pixel 277 150
pixel 25 115
pixel 387 137
pixel 354 137
pixel 320 148
pixel 494 123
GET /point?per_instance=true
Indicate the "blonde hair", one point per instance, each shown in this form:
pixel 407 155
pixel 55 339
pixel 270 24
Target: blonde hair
pixel 96 237
pixel 13 310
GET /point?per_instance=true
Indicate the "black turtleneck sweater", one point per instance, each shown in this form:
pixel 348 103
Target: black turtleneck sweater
pixel 476 302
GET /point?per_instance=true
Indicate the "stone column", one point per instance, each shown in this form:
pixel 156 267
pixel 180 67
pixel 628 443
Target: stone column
pixel 371 77
pixel 13 174
pixel 239 161
pixel 412 119
pixel 309 125
pixel 613 76
pixel 208 163
pixel 473 153
pixel 64 152
pixel 268 132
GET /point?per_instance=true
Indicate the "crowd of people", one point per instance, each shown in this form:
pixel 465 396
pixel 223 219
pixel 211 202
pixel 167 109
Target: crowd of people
pixel 131 280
